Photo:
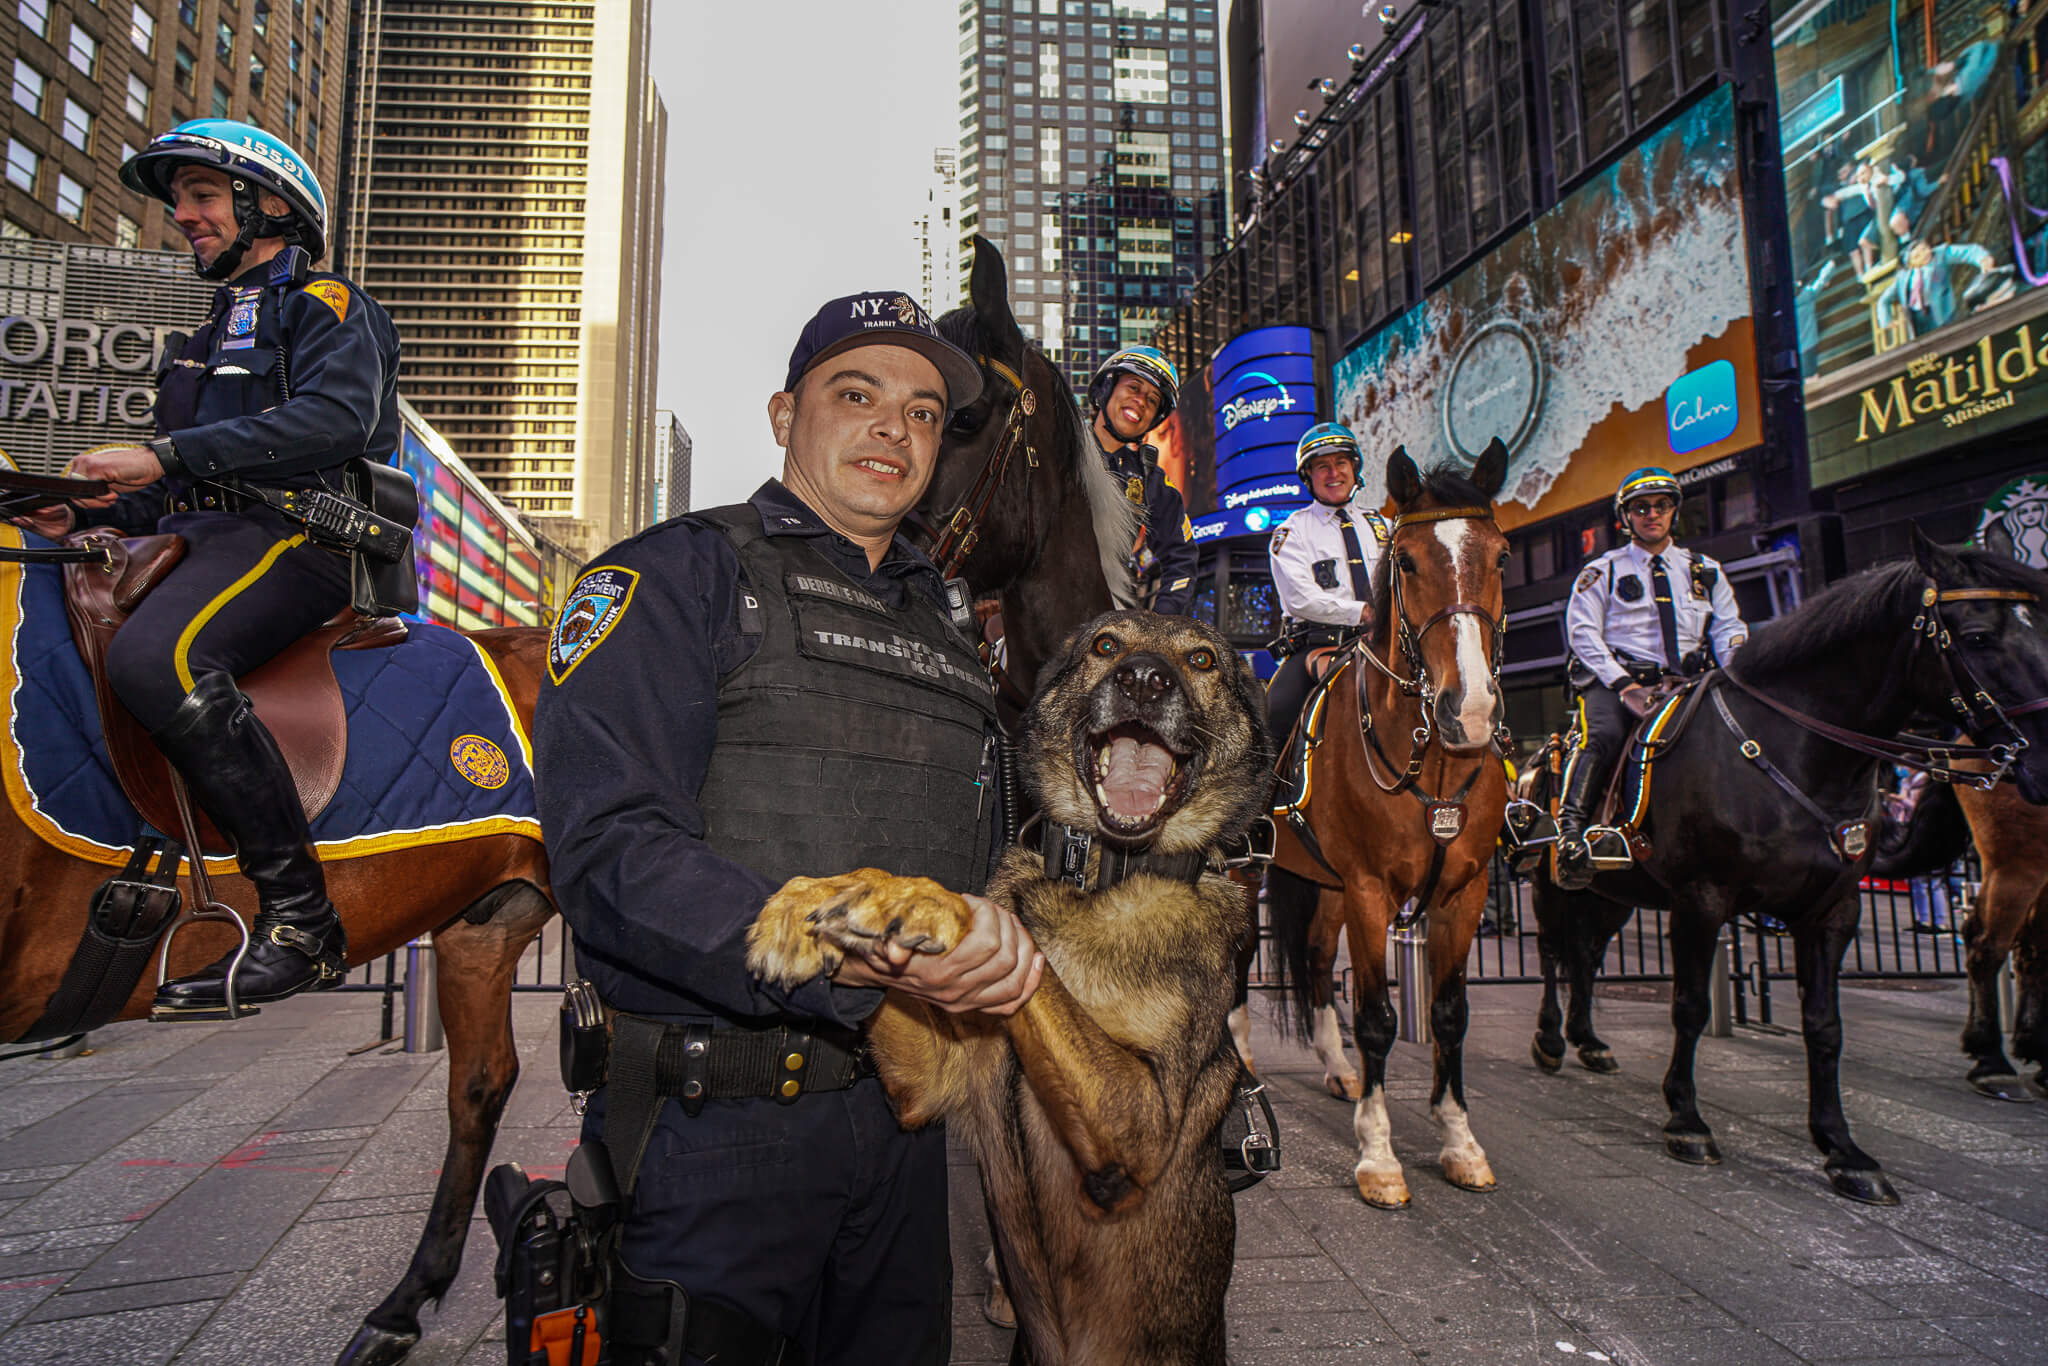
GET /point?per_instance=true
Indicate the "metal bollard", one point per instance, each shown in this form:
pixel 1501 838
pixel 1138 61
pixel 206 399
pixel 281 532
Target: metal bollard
pixel 422 999
pixel 1720 993
pixel 2008 996
pixel 1409 949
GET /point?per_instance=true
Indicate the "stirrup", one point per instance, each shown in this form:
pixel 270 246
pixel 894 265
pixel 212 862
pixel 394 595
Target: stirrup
pixel 232 1009
pixel 1607 848
pixel 1525 825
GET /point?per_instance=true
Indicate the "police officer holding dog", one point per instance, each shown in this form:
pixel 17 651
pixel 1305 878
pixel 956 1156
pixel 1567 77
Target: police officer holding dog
pixel 738 697
pixel 293 374
pixel 1133 392
pixel 1644 610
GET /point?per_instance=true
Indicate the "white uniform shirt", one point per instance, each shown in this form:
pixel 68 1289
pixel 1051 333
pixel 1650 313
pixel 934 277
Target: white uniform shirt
pixel 1313 536
pixel 1614 607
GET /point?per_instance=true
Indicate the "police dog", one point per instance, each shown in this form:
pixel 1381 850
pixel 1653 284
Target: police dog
pixel 1094 1109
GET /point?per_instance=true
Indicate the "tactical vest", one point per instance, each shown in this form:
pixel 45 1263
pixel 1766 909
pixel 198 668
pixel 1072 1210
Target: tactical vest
pixel 858 735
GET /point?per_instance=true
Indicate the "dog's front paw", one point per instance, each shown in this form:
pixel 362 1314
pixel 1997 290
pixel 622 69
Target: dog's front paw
pixel 811 924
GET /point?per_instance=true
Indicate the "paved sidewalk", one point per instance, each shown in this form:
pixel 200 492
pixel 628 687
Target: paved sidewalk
pixel 243 1194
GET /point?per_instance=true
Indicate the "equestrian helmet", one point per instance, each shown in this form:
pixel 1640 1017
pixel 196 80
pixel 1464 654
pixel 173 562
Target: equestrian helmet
pixel 1147 363
pixel 1643 482
pixel 254 161
pixel 1327 438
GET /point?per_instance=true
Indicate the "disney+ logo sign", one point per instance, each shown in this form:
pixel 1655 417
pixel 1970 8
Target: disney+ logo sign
pixel 1701 408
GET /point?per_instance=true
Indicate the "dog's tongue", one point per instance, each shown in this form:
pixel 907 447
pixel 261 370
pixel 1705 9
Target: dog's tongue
pixel 1134 777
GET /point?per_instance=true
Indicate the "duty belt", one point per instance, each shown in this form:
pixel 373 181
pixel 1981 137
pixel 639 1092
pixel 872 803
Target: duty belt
pixel 652 1060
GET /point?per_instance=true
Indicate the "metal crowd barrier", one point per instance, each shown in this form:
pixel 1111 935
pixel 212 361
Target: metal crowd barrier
pixel 404 978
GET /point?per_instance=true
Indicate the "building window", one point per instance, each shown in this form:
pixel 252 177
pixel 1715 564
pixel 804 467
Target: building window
pixel 256 73
pixel 70 199
pixel 224 42
pixel 220 100
pixel 181 69
pixel 142 31
pixel 312 137
pixel 10 228
pixel 291 114
pixel 188 14
pixel 259 18
pixel 28 87
pixel 77 125
pixel 35 17
pixel 127 232
pixel 313 83
pixel 23 164
pixel 296 51
pixel 85 51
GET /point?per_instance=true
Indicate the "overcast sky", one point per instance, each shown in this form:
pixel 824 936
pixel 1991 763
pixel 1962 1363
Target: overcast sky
pixel 800 137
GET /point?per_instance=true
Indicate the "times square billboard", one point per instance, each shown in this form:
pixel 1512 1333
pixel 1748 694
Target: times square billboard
pixel 1262 396
pixel 1613 332
pixel 1916 180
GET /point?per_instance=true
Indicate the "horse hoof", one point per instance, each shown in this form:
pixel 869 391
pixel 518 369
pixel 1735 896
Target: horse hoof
pixel 1598 1058
pixel 1383 1191
pixel 2002 1086
pixel 1469 1174
pixel 996 1306
pixel 1697 1150
pixel 1343 1088
pixel 1549 1062
pixel 1870 1188
pixel 374 1346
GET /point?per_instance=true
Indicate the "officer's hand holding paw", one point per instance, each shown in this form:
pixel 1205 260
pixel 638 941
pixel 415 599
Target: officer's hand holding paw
pixel 994 968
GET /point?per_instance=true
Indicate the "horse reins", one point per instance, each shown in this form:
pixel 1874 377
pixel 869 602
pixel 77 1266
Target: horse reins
pixel 1972 704
pixel 963 528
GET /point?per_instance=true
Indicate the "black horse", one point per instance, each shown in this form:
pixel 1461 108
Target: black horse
pixel 1726 837
pixel 1020 473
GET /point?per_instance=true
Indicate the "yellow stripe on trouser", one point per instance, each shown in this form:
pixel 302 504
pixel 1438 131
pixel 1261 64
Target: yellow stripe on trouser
pixel 220 600
pixel 1565 783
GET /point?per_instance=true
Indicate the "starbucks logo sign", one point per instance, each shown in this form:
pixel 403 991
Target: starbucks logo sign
pixel 2015 521
pixel 1495 389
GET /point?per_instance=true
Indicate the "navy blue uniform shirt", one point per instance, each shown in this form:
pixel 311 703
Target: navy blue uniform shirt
pixel 1166 526
pixel 621 746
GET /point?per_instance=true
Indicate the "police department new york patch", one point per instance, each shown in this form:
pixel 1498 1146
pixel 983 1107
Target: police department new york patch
pixel 595 605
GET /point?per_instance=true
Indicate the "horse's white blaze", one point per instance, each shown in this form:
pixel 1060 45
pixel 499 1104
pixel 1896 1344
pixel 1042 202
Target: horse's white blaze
pixel 1328 1040
pixel 1477 696
pixel 1375 1133
pixel 1451 1122
pixel 1240 1022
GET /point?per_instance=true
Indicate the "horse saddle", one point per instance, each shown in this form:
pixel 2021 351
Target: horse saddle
pixel 295 693
pixel 1291 765
pixel 1672 704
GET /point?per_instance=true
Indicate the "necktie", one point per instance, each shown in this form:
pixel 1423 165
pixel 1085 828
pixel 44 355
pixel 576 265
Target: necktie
pixel 1667 611
pixel 1361 581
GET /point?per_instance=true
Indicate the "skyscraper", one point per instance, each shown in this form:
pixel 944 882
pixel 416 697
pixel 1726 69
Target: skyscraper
pixel 933 228
pixel 93 80
pixel 506 209
pixel 672 465
pixel 1092 153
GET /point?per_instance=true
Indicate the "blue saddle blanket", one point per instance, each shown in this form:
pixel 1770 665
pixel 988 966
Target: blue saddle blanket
pixel 436 750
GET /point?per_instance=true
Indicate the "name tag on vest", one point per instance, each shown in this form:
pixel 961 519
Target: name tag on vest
pixel 838 592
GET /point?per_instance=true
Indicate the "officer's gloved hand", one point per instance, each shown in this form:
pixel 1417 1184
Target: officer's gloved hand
pixel 1636 698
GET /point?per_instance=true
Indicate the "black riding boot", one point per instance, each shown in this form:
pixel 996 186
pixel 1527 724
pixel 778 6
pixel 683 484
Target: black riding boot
pixel 1574 858
pixel 234 771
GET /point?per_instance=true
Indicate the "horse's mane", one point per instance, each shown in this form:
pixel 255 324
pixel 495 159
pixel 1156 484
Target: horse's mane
pixel 1881 599
pixel 1442 486
pixel 1115 518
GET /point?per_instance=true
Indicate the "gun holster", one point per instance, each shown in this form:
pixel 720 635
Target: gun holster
pixel 378 586
pixel 554 1258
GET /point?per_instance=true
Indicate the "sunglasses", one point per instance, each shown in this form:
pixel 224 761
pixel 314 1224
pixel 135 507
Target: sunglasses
pixel 1651 507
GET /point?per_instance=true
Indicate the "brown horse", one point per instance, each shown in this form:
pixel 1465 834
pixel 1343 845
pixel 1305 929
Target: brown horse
pixel 1408 794
pixel 483 899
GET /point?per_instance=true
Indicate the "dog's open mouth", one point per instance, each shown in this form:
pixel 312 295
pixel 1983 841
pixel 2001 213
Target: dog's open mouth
pixel 1136 780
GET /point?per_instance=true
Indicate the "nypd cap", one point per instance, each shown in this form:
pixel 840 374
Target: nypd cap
pixel 884 317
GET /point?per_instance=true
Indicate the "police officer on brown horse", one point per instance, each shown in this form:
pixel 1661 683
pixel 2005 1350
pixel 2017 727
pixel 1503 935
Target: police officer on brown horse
pixel 292 374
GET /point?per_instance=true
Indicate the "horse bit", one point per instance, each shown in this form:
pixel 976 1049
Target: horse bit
pixel 963 528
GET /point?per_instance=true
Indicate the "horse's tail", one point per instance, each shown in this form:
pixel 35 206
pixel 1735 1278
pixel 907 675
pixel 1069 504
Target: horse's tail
pixel 1291 911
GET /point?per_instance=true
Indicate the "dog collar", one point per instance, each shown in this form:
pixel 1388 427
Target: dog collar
pixel 1066 851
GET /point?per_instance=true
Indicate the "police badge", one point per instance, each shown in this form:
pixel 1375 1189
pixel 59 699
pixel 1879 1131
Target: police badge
pixel 1134 489
pixel 1629 588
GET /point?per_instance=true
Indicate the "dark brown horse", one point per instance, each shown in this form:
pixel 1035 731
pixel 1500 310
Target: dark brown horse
pixel 483 899
pixel 1051 528
pixel 1408 749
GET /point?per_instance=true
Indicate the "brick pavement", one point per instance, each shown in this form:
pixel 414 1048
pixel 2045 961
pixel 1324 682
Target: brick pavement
pixel 243 1194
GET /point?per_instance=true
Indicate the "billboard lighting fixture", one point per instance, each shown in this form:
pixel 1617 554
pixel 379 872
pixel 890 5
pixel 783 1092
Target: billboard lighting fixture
pixel 1389 13
pixel 1357 53
pixel 1302 118
pixel 1402 238
pixel 1276 147
pixel 1351 274
pixel 1328 87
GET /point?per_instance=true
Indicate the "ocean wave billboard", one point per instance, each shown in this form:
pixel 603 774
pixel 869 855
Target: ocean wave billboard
pixel 1613 332
pixel 1916 181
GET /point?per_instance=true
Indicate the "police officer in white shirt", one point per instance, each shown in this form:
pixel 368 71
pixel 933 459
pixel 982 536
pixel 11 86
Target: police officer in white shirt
pixel 1641 611
pixel 1323 559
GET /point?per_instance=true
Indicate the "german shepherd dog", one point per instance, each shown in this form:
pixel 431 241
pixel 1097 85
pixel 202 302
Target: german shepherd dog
pixel 1094 1109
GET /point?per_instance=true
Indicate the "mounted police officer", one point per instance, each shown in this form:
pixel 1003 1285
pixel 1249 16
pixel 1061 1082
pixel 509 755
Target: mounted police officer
pixel 292 374
pixel 1133 392
pixel 1642 611
pixel 739 697
pixel 1322 558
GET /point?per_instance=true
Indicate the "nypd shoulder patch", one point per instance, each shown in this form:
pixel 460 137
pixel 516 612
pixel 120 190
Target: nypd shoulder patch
pixel 595 605
pixel 1589 578
pixel 1279 539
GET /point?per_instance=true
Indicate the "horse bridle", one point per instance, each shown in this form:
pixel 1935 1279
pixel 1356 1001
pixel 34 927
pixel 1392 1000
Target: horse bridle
pixel 1408 640
pixel 1977 710
pixel 963 529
